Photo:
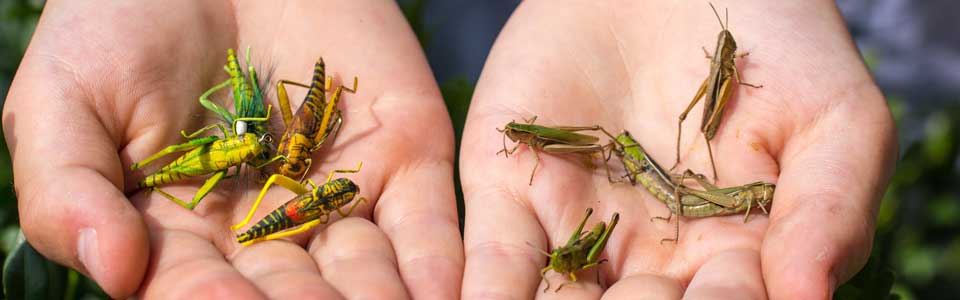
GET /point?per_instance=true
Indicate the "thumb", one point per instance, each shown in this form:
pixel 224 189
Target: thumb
pixel 68 177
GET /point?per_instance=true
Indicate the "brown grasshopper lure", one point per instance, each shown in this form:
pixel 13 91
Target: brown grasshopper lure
pixel 315 121
pixel 311 207
pixel 716 89
pixel 684 201
pixel 557 139
pixel 581 252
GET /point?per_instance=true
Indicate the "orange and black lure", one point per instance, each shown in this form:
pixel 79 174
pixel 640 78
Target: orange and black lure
pixel 309 208
pixel 315 121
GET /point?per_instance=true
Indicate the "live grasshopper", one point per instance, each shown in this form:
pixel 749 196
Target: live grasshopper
pixel 581 251
pixel 715 89
pixel 311 207
pixel 557 139
pixel 315 121
pixel 206 155
pixel 692 202
pixel 247 98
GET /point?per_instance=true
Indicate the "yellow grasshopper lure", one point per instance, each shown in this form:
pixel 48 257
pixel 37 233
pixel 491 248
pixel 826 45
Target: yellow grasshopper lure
pixel 311 207
pixel 581 252
pixel 315 121
pixel 684 201
pixel 206 155
pixel 556 139
pixel 716 89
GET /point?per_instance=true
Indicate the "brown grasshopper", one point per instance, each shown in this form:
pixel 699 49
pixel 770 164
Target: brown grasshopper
pixel 716 88
pixel 557 139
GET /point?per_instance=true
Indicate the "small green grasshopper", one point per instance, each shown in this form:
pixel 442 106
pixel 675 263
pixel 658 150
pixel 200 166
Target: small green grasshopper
pixel 581 252
pixel 557 139
pixel 715 89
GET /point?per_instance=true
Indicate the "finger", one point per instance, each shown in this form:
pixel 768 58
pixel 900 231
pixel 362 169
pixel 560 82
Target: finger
pixel 357 259
pixel 283 270
pixel 731 274
pixel 499 262
pixel 423 228
pixel 186 266
pixel 822 222
pixel 644 286
pixel 68 187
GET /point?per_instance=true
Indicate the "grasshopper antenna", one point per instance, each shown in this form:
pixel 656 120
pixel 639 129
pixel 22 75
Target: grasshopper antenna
pixel 538 249
pixel 718 16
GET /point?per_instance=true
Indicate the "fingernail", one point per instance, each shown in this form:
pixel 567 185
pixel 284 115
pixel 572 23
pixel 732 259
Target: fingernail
pixel 88 251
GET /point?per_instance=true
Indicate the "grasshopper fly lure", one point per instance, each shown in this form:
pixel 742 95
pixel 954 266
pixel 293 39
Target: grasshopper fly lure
pixel 315 121
pixel 205 155
pixel 558 139
pixel 716 89
pixel 213 154
pixel 311 207
pixel 581 252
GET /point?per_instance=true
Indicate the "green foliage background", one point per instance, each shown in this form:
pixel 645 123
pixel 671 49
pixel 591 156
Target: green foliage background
pixel 918 220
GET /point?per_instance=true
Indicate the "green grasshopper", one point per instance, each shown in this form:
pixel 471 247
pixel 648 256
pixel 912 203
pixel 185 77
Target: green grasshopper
pixel 557 139
pixel 715 89
pixel 581 252
pixel 692 202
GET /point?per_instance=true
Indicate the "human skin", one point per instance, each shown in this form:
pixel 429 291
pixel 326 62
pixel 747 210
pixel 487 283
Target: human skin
pixel 819 128
pixel 104 84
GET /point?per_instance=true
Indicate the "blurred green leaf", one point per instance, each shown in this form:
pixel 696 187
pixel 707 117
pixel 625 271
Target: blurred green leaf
pixel 874 281
pixel 919 264
pixel 888 209
pixel 939 141
pixel 944 211
pixel 870 58
pixel 897 108
pixel 950 262
pixel 28 275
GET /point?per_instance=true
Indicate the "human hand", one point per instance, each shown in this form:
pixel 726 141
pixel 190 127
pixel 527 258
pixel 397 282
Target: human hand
pixel 819 129
pixel 115 88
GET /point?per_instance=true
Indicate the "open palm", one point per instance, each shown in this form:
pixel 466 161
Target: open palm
pixel 629 65
pixel 118 89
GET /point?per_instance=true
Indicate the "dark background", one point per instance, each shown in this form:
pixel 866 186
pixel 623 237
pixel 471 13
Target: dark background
pixel 912 48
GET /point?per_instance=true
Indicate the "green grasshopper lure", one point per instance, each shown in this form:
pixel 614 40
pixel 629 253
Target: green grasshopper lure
pixel 213 154
pixel 716 89
pixel 684 201
pixel 316 120
pixel 205 155
pixel 247 98
pixel 311 207
pixel 581 252
pixel 557 139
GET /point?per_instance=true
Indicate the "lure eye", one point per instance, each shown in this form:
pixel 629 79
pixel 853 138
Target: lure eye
pixel 266 139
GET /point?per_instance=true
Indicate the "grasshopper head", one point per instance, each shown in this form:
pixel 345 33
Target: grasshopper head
pixel 764 194
pixel 565 260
